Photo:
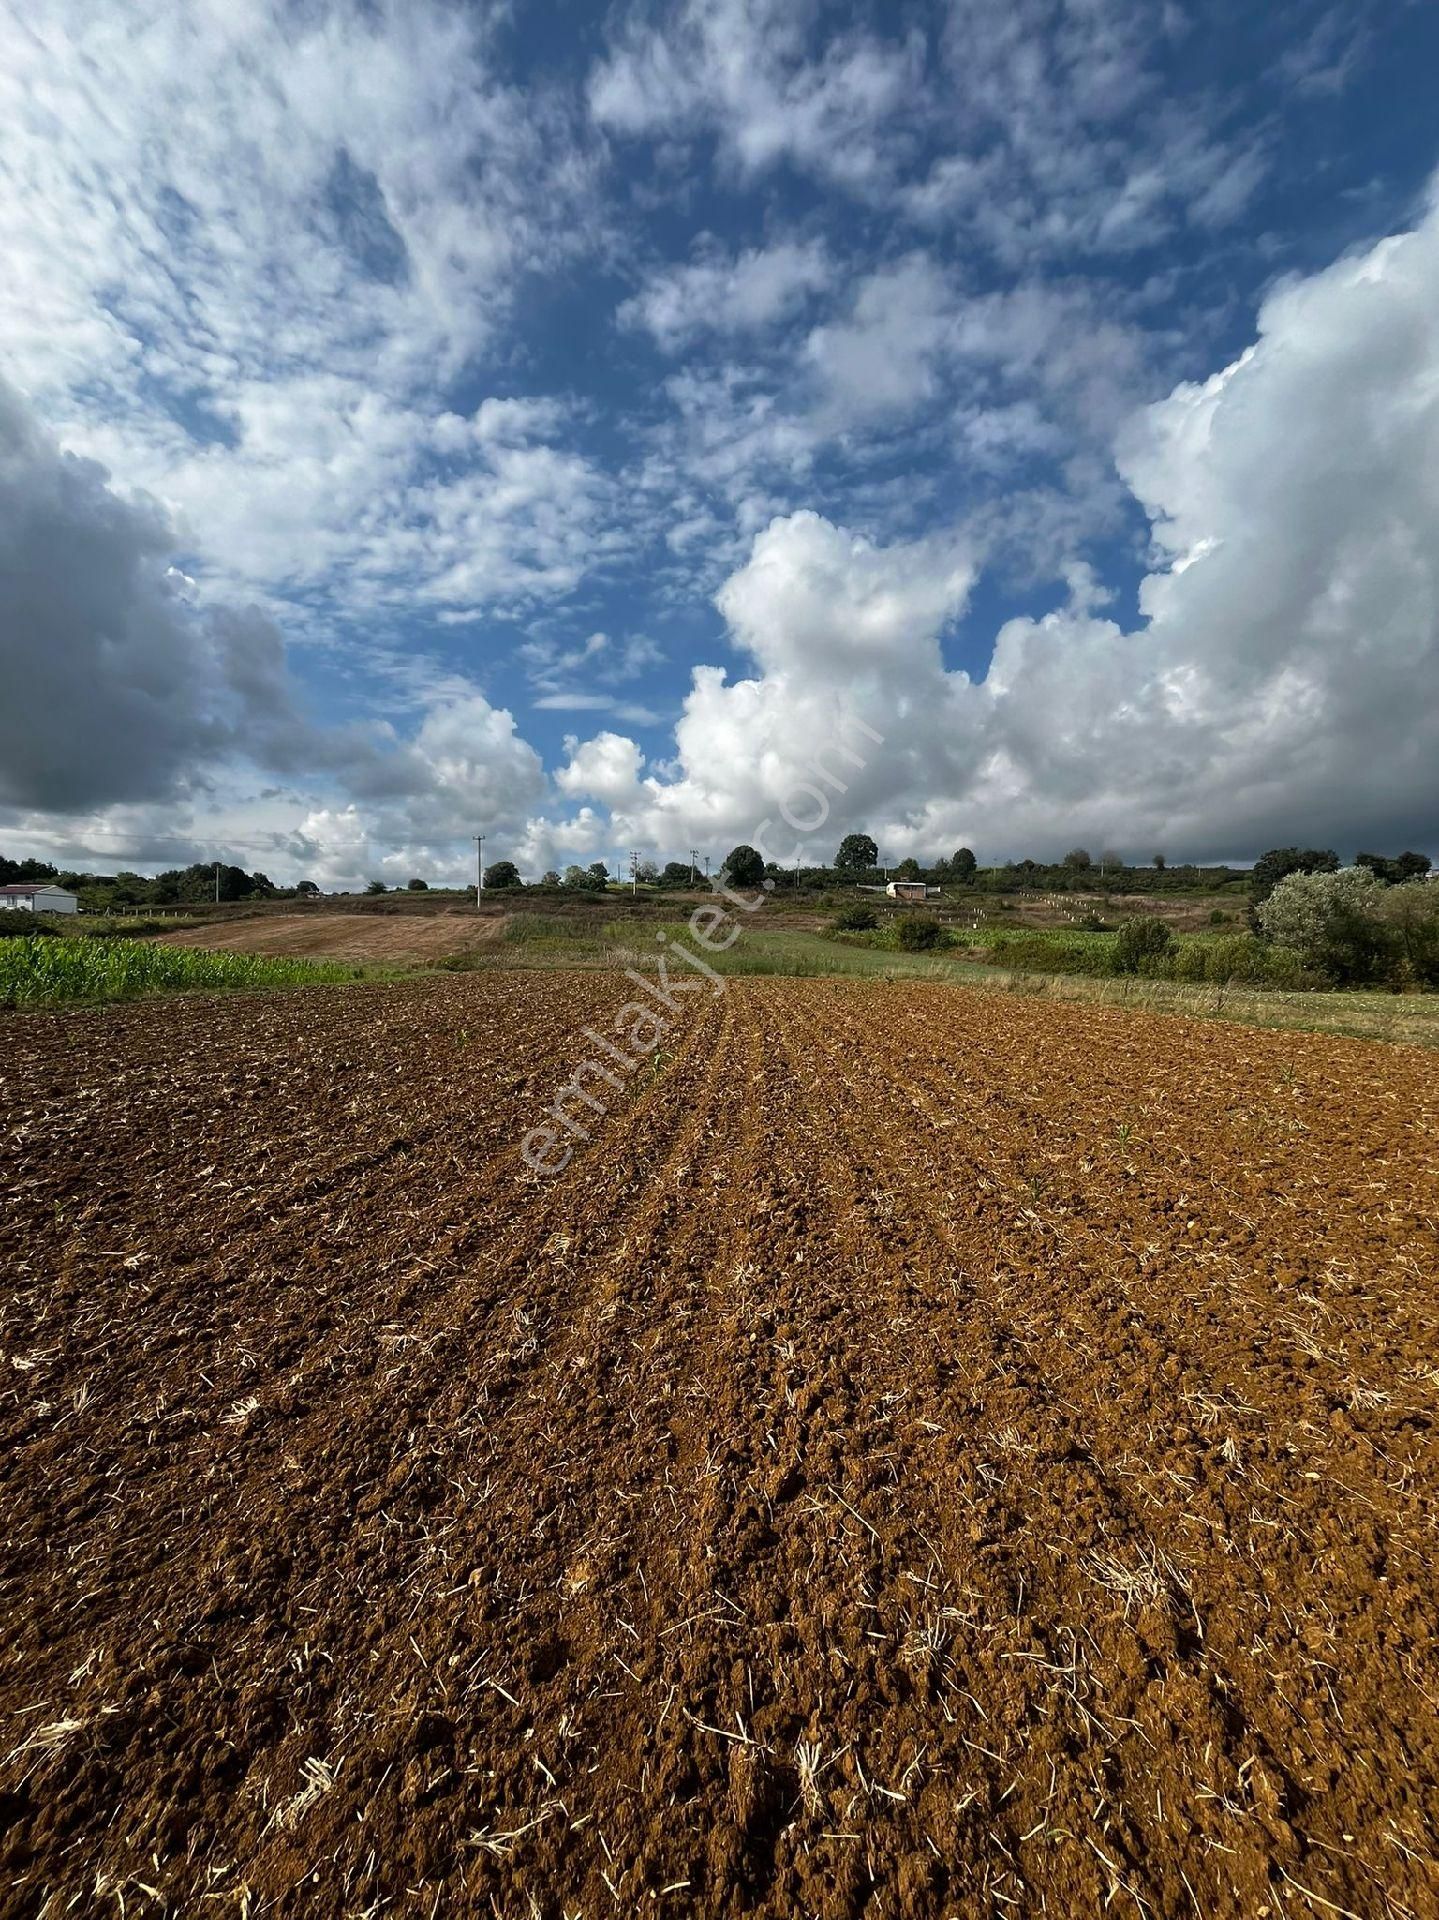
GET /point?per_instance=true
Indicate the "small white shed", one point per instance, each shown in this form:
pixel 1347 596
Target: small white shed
pixel 37 896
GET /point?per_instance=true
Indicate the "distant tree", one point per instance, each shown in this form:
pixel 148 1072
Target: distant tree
pixel 12 871
pixel 964 865
pixel 308 889
pixel 676 874
pixel 198 882
pixel 1408 866
pixel 504 873
pixel 575 877
pixel 1276 865
pixel 907 870
pixel 857 854
pixel 1140 938
pixel 744 866
pixel 1078 860
pixel 1159 863
pixel 599 874
pixel 417 886
pixel 375 886
pixel 647 873
pixel 549 878
pixel 1110 857
pixel 130 889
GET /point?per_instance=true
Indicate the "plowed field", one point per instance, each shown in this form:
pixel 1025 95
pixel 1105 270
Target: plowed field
pixel 347 936
pixel 929 1454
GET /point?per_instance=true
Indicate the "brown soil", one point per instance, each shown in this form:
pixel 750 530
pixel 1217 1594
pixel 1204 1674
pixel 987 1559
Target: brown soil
pixel 394 938
pixel 931 1454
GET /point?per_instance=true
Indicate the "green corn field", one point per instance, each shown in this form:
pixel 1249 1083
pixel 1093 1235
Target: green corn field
pixel 44 972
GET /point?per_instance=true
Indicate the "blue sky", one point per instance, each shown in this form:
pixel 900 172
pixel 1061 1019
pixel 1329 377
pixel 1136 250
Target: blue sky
pixel 559 421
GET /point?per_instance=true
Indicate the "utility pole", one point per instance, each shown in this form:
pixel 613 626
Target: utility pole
pixel 694 862
pixel 707 866
pixel 479 871
pixel 634 871
pixel 217 883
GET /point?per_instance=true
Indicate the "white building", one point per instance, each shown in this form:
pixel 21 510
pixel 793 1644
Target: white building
pixel 37 896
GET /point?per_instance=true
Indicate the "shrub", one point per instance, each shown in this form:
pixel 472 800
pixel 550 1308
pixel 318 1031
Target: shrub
pixel 1283 968
pixel 1411 915
pixel 1238 957
pixel 920 932
pixel 857 919
pixel 1052 953
pixel 1187 960
pixel 1332 922
pixel 1275 866
pixel 1140 939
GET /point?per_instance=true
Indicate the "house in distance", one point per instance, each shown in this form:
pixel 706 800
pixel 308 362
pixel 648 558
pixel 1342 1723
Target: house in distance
pixel 37 896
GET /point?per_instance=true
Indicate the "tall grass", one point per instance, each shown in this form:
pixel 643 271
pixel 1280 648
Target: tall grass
pixel 545 929
pixel 48 972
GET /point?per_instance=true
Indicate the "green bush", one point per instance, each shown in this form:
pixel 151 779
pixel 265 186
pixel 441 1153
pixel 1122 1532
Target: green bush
pixel 1053 953
pixel 921 933
pixel 1284 969
pixel 1337 924
pixel 1141 938
pixel 1411 916
pixel 1187 960
pixel 1237 957
pixel 855 919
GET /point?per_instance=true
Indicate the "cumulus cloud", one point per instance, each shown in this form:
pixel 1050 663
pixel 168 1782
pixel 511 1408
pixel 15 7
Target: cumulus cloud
pixel 1277 687
pixel 248 255
pixel 116 687
pixel 124 687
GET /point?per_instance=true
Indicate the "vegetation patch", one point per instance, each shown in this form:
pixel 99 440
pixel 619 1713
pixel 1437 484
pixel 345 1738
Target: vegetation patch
pixel 50 970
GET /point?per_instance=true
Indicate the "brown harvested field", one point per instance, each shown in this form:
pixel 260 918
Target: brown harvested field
pixel 934 1453
pixel 383 938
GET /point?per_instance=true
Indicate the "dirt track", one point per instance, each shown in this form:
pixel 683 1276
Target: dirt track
pixel 932 1454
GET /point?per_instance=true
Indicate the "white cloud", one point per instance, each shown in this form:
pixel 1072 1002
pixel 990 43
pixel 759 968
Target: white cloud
pixel 247 252
pixel 1277 690
pixel 1040 129
pixel 884 356
pixel 742 67
pixel 729 294
pixel 128 690
pixel 605 768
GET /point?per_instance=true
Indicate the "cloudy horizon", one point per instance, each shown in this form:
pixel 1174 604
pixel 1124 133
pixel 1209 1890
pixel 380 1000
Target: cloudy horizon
pixel 417 423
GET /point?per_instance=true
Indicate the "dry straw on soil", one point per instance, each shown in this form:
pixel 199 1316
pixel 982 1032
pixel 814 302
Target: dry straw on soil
pixel 937 1453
